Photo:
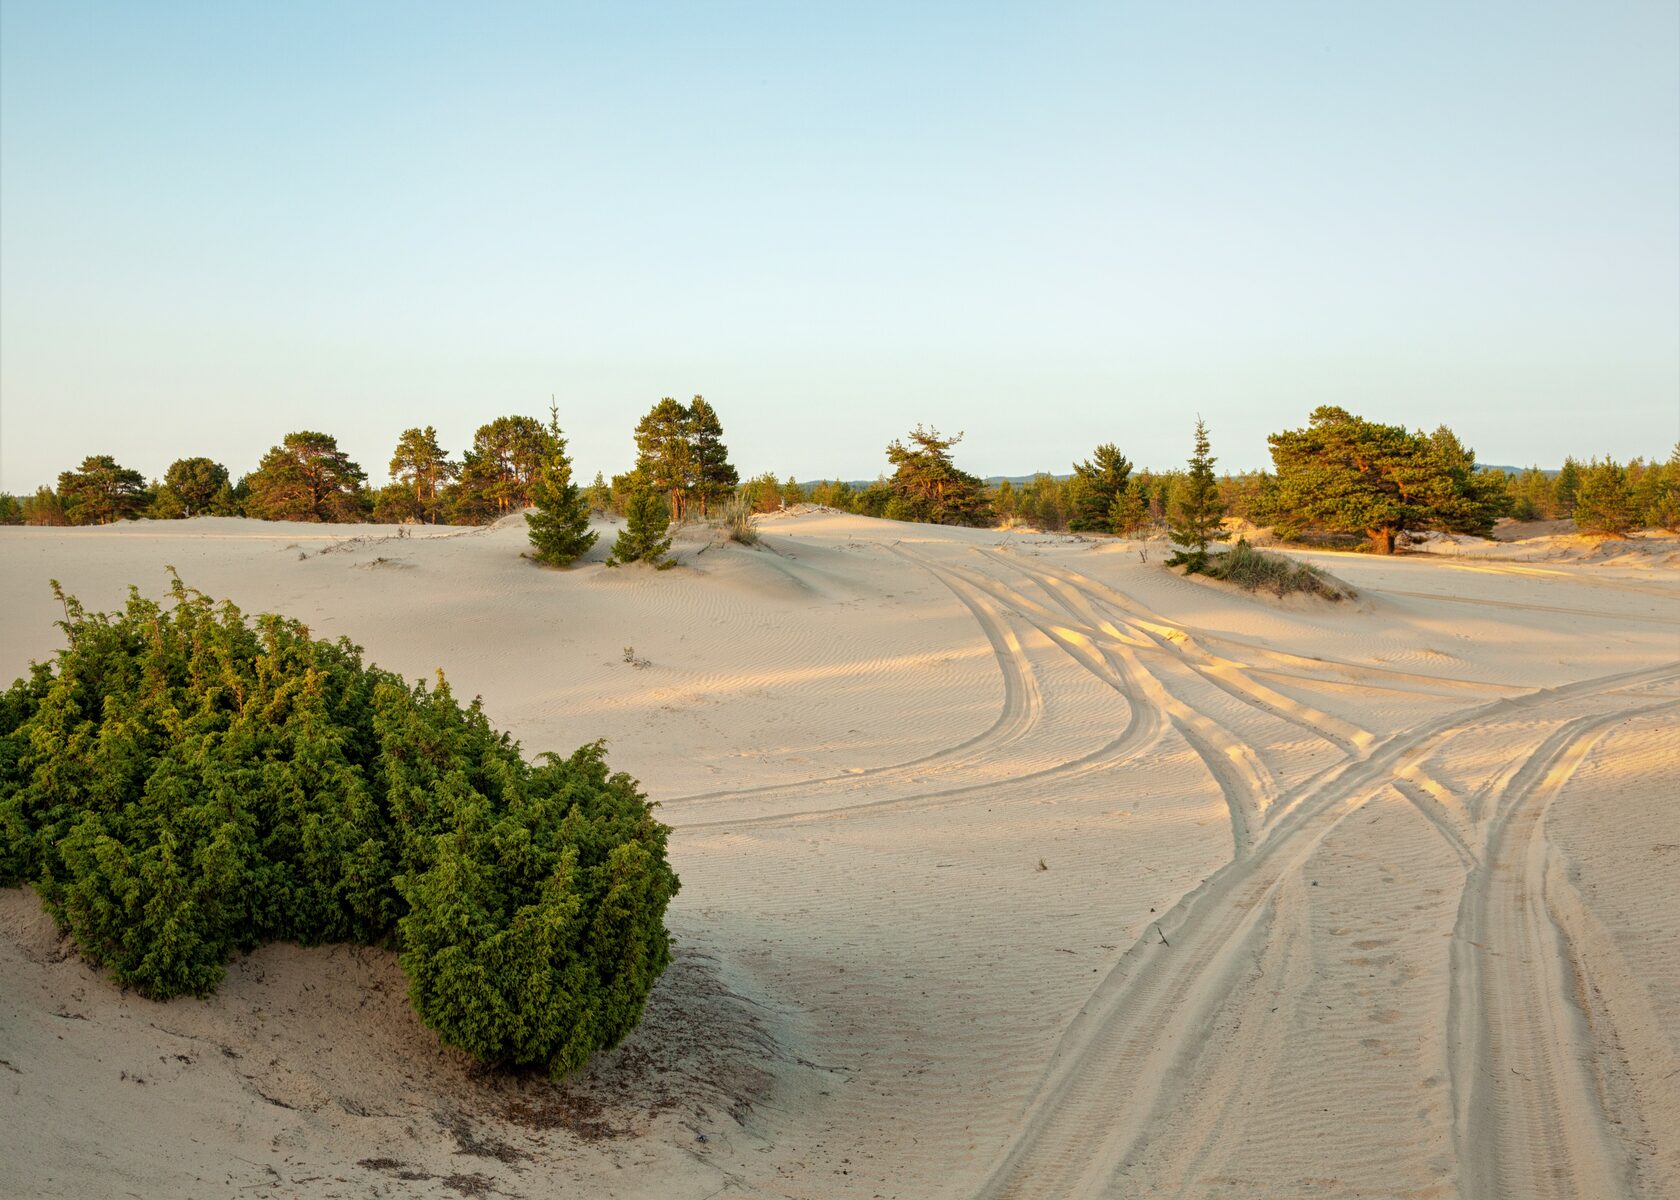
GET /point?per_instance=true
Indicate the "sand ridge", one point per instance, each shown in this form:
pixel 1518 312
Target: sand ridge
pixel 1013 865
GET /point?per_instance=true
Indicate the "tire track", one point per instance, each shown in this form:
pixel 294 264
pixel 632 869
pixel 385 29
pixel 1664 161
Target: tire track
pixel 1101 1091
pixel 1020 713
pixel 1529 1118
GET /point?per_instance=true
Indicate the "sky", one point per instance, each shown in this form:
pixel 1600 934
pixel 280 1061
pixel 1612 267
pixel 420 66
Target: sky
pixel 1046 225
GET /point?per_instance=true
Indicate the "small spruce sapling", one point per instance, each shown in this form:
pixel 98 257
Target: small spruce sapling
pixel 1197 510
pixel 560 527
pixel 646 534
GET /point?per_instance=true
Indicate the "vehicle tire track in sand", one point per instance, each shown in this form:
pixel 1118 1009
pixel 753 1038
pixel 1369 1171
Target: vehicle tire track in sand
pixel 1082 595
pixel 1247 783
pixel 1022 714
pixel 1356 674
pixel 1102 1088
pixel 1022 709
pixel 1530 1121
pixel 1079 596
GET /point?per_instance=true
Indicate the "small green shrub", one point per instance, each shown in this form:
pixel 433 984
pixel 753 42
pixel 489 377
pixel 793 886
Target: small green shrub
pixel 1255 570
pixel 182 784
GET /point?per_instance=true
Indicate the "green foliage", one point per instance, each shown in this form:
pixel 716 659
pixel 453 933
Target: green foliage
pixel 1345 474
pixel 1603 500
pixel 11 512
pixel 680 453
pixel 182 784
pixel 763 493
pixel 1129 514
pixel 928 486
pixel 559 528
pixel 307 478
pixel 423 470
pixel 1256 571
pixel 45 507
pixel 191 487
pixel 646 533
pixel 1096 484
pixel 713 478
pixel 1564 487
pixel 1198 509
pixel 499 474
pixel 599 496
pixel 101 491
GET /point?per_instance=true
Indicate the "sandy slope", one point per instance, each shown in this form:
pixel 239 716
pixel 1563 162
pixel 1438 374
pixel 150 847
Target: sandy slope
pixel 1012 866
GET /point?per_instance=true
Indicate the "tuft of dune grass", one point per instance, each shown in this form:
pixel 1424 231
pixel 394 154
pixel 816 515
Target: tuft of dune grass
pixel 1255 570
pixel 739 523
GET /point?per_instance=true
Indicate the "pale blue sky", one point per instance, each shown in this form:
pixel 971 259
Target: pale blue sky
pixel 1049 225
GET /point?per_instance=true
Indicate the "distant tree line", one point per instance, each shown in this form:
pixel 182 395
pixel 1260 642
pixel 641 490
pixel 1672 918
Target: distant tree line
pixel 1339 476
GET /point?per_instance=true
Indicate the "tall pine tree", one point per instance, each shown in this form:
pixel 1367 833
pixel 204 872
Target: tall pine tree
pixel 1198 509
pixel 560 527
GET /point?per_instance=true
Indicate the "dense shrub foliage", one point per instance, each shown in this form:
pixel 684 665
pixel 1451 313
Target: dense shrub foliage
pixel 182 784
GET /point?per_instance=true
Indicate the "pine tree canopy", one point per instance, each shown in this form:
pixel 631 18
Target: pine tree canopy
pixel 100 491
pixel 927 486
pixel 307 478
pixel 1097 484
pixel 1344 474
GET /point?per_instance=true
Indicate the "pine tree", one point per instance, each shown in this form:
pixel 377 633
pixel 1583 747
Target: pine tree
pixel 929 486
pixel 192 484
pixel 665 455
pixel 714 477
pixel 101 491
pixel 422 466
pixel 1563 489
pixel 599 495
pixel 1603 500
pixel 560 526
pixel 307 478
pixel 1129 512
pixel 646 534
pixel 1662 508
pixel 1096 484
pixel 1198 510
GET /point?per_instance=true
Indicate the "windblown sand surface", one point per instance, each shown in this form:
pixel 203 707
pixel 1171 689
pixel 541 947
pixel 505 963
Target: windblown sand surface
pixel 1012 866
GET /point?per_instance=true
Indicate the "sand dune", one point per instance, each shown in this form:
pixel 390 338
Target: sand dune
pixel 1013 866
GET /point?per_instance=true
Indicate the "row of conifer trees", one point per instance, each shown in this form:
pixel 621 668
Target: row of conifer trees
pixel 1340 475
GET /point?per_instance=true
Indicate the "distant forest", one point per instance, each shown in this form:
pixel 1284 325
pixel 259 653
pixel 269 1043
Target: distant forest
pixel 1337 477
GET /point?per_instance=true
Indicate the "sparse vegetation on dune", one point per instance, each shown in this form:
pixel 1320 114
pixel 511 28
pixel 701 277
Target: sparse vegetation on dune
pixel 739 523
pixel 181 784
pixel 1257 571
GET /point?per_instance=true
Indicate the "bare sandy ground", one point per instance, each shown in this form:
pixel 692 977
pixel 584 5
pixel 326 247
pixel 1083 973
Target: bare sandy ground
pixel 1013 866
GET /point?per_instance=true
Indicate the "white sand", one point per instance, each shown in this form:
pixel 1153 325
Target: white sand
pixel 1374 899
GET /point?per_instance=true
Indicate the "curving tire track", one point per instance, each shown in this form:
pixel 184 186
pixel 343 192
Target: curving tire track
pixel 1101 1092
pixel 1529 1117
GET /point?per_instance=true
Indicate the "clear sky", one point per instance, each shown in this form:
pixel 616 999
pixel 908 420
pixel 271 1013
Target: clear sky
pixel 1047 225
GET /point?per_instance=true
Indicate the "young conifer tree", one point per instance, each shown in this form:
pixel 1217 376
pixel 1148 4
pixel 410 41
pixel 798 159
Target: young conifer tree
pixel 560 526
pixel 645 536
pixel 1198 510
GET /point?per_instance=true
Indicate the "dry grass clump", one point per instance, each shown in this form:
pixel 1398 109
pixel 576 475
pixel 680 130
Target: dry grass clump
pixel 1254 570
pixel 740 524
